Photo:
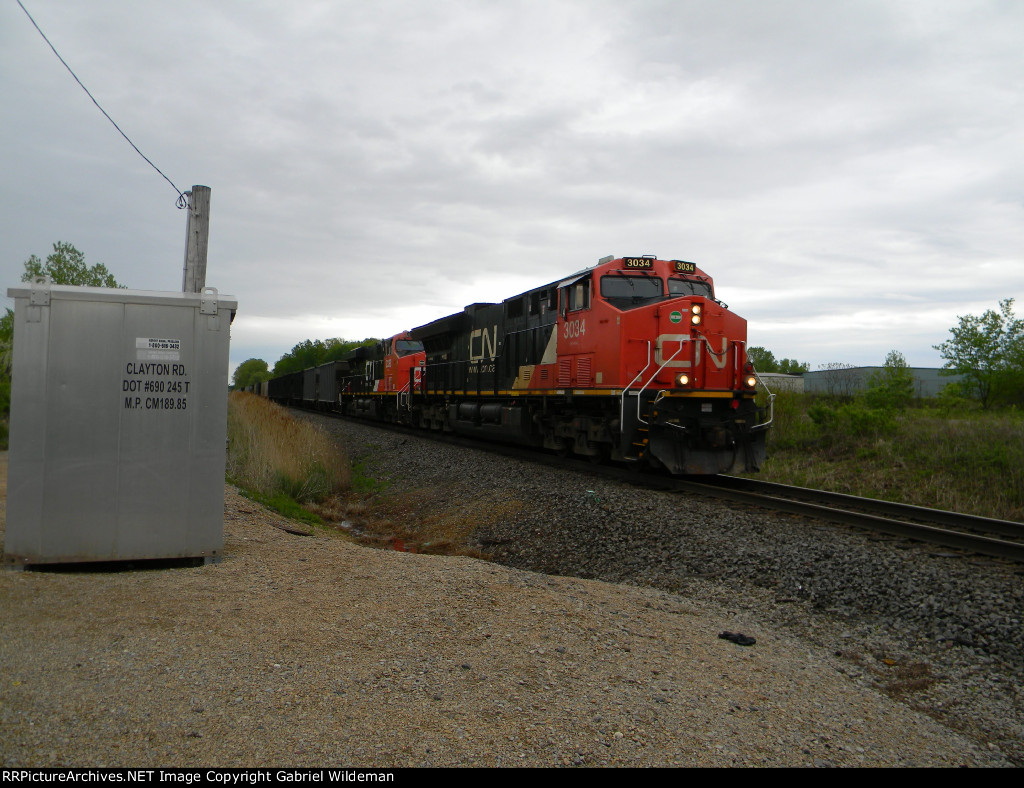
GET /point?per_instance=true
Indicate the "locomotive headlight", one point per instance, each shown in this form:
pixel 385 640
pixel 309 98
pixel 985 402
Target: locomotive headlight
pixel 695 314
pixel 682 379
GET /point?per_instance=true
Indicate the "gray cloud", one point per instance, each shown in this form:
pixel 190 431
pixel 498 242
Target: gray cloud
pixel 849 172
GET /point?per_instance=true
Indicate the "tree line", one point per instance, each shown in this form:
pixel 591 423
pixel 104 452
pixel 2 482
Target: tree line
pixel 306 354
pixel 986 351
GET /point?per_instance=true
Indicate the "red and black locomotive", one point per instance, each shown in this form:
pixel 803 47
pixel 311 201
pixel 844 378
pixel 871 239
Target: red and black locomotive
pixel 632 360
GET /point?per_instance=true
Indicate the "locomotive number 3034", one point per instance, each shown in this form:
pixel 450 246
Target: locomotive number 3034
pixel 574 328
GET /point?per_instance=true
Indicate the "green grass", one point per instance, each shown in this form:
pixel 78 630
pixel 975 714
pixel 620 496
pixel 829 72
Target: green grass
pixel 285 505
pixel 363 483
pixel 961 459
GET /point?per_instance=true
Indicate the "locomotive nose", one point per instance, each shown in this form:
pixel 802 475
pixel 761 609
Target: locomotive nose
pixel 674 320
pixel 682 317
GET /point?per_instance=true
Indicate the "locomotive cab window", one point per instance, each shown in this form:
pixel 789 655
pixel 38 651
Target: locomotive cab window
pixel 687 287
pixel 406 347
pixel 628 292
pixel 576 296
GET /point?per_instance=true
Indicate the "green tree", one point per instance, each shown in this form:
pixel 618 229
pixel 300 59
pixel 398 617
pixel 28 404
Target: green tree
pixel 306 354
pixel 337 349
pixel 790 366
pixel 66 266
pixel 254 370
pixel 313 352
pixel 764 361
pixel 6 342
pixel 891 387
pixel 988 350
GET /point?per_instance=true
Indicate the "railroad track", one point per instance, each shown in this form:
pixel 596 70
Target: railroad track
pixel 998 538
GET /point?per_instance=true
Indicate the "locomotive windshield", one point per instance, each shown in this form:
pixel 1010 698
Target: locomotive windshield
pixel 628 292
pixel 686 287
pixel 405 347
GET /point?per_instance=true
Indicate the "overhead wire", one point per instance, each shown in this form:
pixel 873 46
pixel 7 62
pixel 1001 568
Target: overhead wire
pixel 183 201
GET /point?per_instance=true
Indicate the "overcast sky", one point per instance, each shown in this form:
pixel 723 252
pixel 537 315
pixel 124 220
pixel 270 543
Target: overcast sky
pixel 850 173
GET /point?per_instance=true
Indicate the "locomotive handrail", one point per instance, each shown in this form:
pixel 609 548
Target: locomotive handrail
pixel 443 367
pixel 625 391
pixel 651 379
pixel 440 377
pixel 771 406
pixel 398 397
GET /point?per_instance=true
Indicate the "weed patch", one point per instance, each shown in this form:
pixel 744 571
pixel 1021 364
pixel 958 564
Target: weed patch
pixel 282 462
pixel 431 521
pixel 285 505
pixel 971 463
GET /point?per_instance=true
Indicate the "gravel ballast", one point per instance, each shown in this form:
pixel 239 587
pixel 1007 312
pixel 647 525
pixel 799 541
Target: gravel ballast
pixel 316 651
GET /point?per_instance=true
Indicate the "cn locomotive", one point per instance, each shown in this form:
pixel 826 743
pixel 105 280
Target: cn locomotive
pixel 633 360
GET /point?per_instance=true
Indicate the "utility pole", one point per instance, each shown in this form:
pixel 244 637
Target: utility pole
pixel 197 239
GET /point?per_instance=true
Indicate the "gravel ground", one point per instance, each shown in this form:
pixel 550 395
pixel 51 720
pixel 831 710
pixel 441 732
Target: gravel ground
pixel 938 631
pixel 317 651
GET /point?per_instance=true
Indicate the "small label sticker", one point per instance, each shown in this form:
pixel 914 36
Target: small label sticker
pixel 154 349
pixel 676 317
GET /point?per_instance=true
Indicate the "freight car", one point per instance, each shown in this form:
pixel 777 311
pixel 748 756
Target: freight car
pixel 633 360
pixel 286 389
pixel 315 387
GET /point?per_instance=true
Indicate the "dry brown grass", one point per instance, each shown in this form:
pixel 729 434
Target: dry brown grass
pixel 271 453
pixel 420 521
pixel 275 456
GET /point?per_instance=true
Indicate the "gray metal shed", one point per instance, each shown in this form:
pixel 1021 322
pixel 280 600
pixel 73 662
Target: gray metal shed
pixel 118 424
pixel 846 382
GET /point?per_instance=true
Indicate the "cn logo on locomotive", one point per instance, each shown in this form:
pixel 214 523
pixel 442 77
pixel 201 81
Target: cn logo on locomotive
pixel 669 351
pixel 674 350
pixel 488 343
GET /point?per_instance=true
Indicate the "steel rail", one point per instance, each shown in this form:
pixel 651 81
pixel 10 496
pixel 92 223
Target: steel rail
pixel 956 520
pixel 961 530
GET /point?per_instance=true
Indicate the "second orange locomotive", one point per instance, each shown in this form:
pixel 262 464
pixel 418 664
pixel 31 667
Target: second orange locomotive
pixel 633 360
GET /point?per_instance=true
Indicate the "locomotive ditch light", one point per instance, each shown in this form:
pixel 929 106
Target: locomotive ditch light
pixel 682 379
pixel 750 382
